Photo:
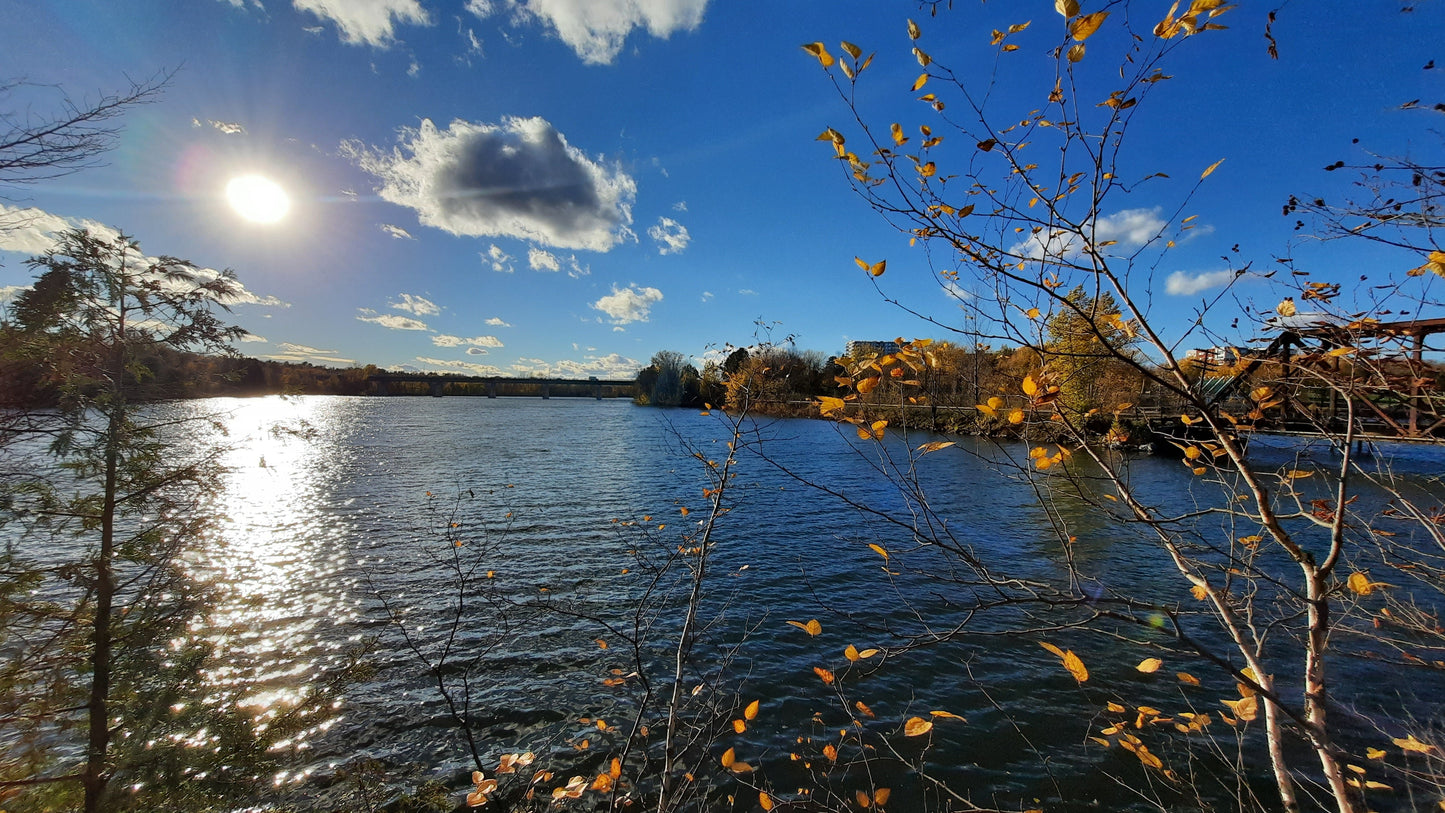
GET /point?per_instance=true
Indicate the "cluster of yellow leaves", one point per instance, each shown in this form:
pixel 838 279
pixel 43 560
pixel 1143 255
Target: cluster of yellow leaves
pixel 1044 461
pixel 1246 708
pixel 509 763
pixel 902 367
pixel 731 762
pixel 1193 21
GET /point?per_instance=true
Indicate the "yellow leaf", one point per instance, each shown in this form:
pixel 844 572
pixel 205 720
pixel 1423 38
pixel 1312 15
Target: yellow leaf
pixel 812 627
pixel 740 767
pixel 1075 666
pixel 1017 27
pixel 1016 417
pixel 1244 708
pixel 765 800
pixel 1286 307
pixel 1075 52
pixel 1409 743
pixel 728 758
pixel 751 712
pixel 1085 26
pixel 1375 753
pixel 948 714
pixel 853 50
pixel 987 409
pixel 1050 647
pixel 863 799
pixel 817 50
pixel 880 796
pixel 899 138
pixel 1185 677
pixel 1212 167
pixel 1032 313
pixel 935 446
pixel 917 727
pixel 920 82
pixel 1149 665
pixel 739 726
pixel 830 752
pixel 851 653
pixel 877 269
pixel 913 32
pixel 1030 387
pixel 867 653
pixel 828 405
pixel 1360 584
pixel 1068 8
pixel 862 707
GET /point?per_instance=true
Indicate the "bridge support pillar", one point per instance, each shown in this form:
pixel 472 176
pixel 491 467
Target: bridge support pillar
pixel 546 390
pixel 597 391
pixel 491 389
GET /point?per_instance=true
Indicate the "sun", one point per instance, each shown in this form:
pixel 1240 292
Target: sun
pixel 257 198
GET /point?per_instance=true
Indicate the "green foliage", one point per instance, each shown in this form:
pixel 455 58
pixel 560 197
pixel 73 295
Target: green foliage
pixel 103 702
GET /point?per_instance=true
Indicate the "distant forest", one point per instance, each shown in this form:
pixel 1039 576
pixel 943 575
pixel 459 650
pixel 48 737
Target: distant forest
pixel 161 373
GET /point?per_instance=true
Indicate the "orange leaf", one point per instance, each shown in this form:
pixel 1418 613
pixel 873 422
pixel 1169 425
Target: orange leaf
pixel 823 674
pixel 917 727
pixel 1149 665
pixel 751 712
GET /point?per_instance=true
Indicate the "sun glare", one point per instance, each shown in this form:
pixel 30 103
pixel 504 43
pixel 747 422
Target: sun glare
pixel 258 199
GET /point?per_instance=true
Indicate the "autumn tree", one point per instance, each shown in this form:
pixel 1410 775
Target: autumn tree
pixel 1274 566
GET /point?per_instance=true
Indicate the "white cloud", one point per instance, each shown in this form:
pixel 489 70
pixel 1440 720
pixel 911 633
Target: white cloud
pixel 444 340
pixel 476 351
pixel 251 337
pixel 302 353
pixel 414 69
pixel 597 29
pixel 416 305
pixel 747 292
pixel 397 232
pixel 671 236
pixel 1129 229
pixel 227 127
pixel 631 304
pixel 9 292
pixel 501 261
pixel 541 260
pixel 680 206
pixel 367 22
pixel 32 231
pixel 519 178
pixel 390 320
pixel 612 366
pixel 706 295
pixel 496 321
pixel 1181 283
pixel 449 366
pixel 954 291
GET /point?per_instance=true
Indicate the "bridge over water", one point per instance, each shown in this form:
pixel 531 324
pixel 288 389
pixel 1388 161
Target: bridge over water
pixel 494 386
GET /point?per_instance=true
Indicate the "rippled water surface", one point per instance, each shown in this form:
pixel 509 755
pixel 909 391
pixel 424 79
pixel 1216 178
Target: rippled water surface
pixel 334 503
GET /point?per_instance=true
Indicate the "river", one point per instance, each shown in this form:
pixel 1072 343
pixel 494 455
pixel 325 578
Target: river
pixel 339 508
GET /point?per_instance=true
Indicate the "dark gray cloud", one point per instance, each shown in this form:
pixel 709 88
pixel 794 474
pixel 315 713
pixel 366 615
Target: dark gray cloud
pixel 519 178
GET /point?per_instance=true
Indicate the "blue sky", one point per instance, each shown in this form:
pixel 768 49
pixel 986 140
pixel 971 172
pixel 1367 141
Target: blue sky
pixel 564 187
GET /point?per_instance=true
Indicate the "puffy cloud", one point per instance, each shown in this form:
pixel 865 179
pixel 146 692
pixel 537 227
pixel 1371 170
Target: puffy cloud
pixel 1181 283
pixel 596 29
pixel 390 320
pixel 367 22
pixel 397 232
pixel 501 261
pixel 251 337
pixel 32 231
pixel 613 366
pixel 9 292
pixel 1129 229
pixel 519 178
pixel 671 236
pixel 444 340
pixel 449 366
pixel 416 305
pixel 541 260
pixel 626 305
pixel 497 321
pixel 476 351
pixel 287 351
